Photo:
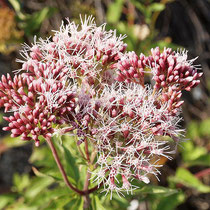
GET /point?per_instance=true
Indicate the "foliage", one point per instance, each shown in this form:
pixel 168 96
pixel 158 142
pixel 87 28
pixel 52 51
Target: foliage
pixel 46 190
pixel 31 23
pixel 142 36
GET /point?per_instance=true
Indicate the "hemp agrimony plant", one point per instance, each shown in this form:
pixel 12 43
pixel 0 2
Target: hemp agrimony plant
pixel 83 82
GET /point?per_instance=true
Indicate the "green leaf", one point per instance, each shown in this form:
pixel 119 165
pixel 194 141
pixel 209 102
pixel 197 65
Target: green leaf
pixel 17 7
pixel 96 203
pixel 190 152
pixel 42 156
pixel 114 11
pixel 120 202
pixel 139 6
pixel 58 202
pixel 21 206
pixel 72 169
pixel 156 7
pixel 37 185
pixel 163 191
pixel 21 181
pixel 171 202
pixel 194 155
pixel 40 174
pixel 75 204
pixel 6 199
pixel 204 128
pixel 193 130
pixel 10 142
pixel 203 160
pixel 122 27
pixel 54 195
pixel 187 179
pixel 35 20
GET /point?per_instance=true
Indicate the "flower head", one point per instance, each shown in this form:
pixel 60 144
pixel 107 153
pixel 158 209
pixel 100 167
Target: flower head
pixel 83 81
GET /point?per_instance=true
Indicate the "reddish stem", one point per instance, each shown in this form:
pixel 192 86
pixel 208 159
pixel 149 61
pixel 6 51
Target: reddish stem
pixel 60 166
pixel 198 175
pixel 86 150
pixel 203 173
pixel 86 197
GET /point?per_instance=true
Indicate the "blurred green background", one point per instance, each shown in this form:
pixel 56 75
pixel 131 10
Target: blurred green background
pixel 185 181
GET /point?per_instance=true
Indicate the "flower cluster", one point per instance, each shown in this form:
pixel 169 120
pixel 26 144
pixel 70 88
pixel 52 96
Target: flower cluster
pixel 127 126
pixel 82 80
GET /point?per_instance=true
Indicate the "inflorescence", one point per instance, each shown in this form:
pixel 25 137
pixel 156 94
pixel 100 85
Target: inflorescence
pixel 82 80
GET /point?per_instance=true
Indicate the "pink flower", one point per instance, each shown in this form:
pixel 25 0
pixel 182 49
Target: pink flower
pixel 83 82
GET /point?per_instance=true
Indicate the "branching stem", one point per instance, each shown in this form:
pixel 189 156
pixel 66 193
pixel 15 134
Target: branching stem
pixel 84 192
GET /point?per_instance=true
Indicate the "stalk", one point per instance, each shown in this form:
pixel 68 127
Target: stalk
pixel 84 192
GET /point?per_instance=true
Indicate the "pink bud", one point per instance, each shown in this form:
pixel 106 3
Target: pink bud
pixel 28 126
pixel 163 84
pixel 119 78
pixel 21 91
pixel 14 135
pixel 6 128
pixel 188 88
pixel 3 79
pixel 104 59
pixel 165 97
pixel 37 143
pixel 16 115
pixel 125 133
pixel 25 138
pixel 162 77
pixel 16 131
pixel 114 113
pixel 52 118
pixel 179 104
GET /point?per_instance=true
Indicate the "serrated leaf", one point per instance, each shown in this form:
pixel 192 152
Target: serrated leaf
pixel 72 169
pixel 156 190
pixel 40 174
pixel 171 202
pixel 21 181
pixel 96 203
pixel 185 177
pixel 36 186
pixel 45 198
